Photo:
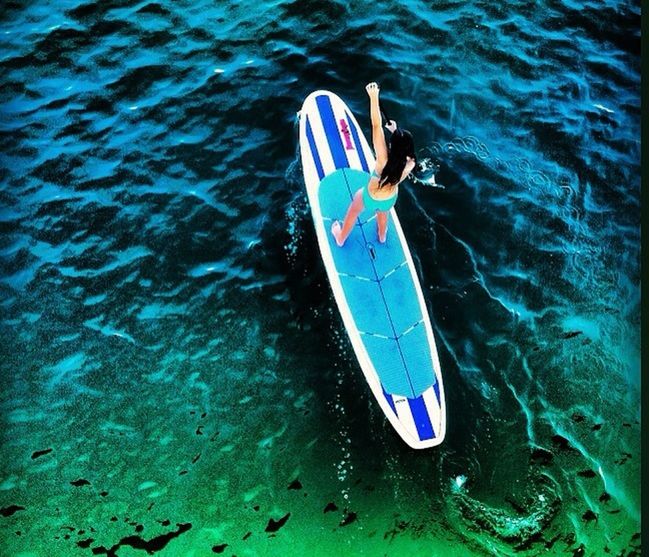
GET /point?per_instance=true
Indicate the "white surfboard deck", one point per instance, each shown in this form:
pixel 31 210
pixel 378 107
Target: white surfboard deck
pixel 375 285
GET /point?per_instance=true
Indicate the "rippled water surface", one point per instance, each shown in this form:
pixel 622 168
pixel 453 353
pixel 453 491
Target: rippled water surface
pixel 175 377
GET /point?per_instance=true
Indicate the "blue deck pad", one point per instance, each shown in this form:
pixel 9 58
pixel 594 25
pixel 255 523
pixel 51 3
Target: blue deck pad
pixel 356 179
pixel 388 362
pixel 365 302
pixel 380 292
pixel 390 255
pixel 354 258
pixel 334 196
pixel 419 360
pixel 401 297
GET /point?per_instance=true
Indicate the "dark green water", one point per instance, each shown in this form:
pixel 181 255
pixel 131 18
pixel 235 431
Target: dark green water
pixel 175 376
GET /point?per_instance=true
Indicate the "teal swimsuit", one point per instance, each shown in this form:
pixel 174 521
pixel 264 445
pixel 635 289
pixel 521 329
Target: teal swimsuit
pixel 377 204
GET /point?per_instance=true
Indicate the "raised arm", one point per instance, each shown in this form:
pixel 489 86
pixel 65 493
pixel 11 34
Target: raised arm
pixel 378 137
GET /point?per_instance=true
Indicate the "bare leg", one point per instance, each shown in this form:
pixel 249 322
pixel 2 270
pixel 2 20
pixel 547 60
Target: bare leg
pixel 355 208
pixel 382 224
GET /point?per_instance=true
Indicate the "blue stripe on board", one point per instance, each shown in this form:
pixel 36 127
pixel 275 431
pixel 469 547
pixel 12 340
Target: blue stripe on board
pixel 436 389
pixel 357 142
pixel 331 131
pixel 390 400
pixel 420 415
pixel 314 149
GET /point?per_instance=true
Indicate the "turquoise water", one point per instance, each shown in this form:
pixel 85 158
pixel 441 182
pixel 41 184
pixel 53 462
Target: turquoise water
pixel 175 378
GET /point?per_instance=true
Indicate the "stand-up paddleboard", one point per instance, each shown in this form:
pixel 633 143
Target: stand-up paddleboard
pixel 375 285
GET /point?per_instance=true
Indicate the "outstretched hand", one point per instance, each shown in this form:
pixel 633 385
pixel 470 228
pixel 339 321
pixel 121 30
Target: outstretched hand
pixel 410 164
pixel 391 125
pixel 372 89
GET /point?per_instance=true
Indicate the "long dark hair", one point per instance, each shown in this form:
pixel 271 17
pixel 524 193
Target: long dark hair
pixel 401 146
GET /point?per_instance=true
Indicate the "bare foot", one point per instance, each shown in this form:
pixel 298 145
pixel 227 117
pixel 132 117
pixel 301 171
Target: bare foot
pixel 381 226
pixel 383 236
pixel 335 231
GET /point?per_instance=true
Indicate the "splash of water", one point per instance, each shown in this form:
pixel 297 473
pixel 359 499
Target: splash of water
pixel 297 209
pixel 424 173
pixel 531 519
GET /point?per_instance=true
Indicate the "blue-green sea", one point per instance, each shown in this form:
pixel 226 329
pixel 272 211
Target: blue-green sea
pixel 175 378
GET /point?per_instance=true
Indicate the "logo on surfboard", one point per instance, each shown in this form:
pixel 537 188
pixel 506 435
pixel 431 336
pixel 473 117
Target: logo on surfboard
pixel 344 129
